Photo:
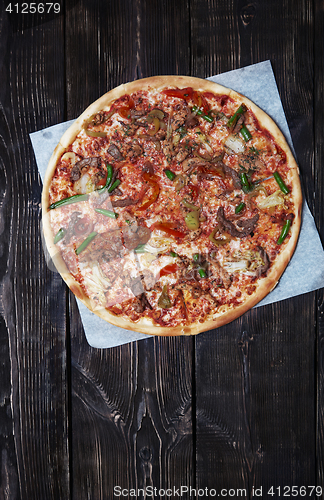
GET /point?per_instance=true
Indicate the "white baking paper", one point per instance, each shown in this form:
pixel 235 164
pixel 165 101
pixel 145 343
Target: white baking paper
pixel 305 271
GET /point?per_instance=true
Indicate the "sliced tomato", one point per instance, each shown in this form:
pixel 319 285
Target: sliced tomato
pixel 169 269
pixel 168 228
pixel 124 111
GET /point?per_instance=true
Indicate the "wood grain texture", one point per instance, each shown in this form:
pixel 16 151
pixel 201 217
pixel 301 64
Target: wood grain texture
pixel 33 422
pixel 319 218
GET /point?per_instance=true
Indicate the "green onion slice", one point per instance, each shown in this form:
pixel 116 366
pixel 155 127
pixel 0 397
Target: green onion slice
pixel 59 235
pixel 284 231
pixel 107 213
pixel 86 242
pixel 281 183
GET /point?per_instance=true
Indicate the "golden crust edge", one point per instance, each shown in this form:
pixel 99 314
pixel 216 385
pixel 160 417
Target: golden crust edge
pixel 264 287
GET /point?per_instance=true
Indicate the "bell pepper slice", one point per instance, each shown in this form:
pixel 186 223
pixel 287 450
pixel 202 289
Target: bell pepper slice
pixel 168 228
pixel 169 269
pixel 185 93
pixel 154 191
pixel 189 94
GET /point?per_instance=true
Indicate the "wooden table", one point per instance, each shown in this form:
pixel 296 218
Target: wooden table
pixel 237 408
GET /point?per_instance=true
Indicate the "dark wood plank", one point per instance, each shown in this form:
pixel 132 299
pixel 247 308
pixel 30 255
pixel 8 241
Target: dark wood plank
pixel 250 418
pixel 319 218
pixel 132 414
pixel 33 421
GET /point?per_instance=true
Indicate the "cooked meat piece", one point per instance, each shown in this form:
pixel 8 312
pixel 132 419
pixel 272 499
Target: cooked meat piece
pixel 181 153
pixel 160 134
pixel 191 163
pixel 107 255
pixel 167 149
pixel 148 167
pixel 206 175
pixel 131 149
pixel 144 281
pixel 141 303
pixel 129 128
pixel 235 176
pixel 75 173
pixel 193 235
pixel 133 239
pixel 125 202
pixel 264 256
pixel 137 113
pixel 179 116
pixel 136 285
pixel 192 287
pixel 191 120
pixel 75 217
pixel 114 152
pixel 82 166
pixel 238 125
pixel 247 224
pixel 149 279
pixel 98 118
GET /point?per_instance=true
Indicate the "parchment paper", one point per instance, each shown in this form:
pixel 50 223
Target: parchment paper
pixel 305 271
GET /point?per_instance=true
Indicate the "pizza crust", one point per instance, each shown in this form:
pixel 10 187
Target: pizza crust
pixel 264 285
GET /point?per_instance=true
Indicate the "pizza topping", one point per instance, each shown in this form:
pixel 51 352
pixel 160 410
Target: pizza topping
pixel 240 207
pixel 164 300
pixel 170 175
pixel 234 144
pixel 264 266
pixel 141 303
pixel 284 231
pixel 114 152
pixel 219 275
pixel 82 166
pixel 86 242
pixel 273 200
pixel 192 220
pixel 245 133
pixel 179 182
pixel 201 113
pixel 281 183
pixel 107 213
pixel 152 193
pixel 82 226
pixel 168 228
pixel 236 116
pixel 67 201
pixel 59 235
pixel 247 224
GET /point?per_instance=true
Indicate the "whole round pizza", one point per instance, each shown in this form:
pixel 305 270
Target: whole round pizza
pixel 171 206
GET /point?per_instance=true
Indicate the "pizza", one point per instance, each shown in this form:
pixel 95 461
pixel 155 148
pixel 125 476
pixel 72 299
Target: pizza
pixel 171 206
